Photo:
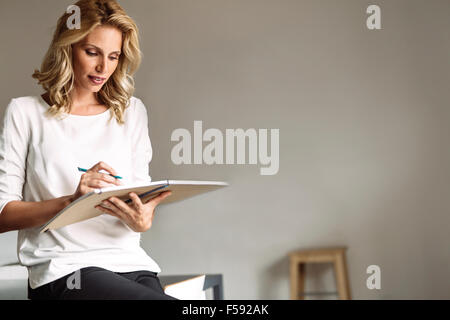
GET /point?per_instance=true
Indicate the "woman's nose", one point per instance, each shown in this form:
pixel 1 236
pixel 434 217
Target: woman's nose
pixel 101 66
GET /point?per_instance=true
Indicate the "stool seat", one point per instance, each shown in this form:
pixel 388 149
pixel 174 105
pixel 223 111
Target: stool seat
pixel 335 255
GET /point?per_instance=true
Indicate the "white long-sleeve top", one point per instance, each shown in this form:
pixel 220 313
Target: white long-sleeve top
pixel 39 156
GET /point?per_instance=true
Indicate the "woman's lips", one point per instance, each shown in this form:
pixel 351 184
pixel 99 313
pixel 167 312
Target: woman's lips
pixel 96 80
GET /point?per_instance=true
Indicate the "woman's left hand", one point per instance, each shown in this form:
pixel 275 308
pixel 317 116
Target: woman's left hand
pixel 137 215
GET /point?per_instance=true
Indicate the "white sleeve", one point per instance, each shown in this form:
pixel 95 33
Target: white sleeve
pixel 141 145
pixel 14 137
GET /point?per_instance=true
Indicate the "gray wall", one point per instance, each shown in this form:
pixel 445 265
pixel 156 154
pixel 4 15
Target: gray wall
pixel 362 114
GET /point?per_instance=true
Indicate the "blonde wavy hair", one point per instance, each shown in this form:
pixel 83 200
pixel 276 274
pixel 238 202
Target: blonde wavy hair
pixel 56 75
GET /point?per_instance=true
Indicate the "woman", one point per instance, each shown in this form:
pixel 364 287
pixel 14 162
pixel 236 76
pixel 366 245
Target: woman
pixel 86 118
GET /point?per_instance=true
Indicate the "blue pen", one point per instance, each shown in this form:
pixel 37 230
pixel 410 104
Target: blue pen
pixel 85 170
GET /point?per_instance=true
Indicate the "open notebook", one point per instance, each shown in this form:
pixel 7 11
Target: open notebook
pixel 83 208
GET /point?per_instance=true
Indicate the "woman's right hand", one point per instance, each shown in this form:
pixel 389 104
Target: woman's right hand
pixel 93 179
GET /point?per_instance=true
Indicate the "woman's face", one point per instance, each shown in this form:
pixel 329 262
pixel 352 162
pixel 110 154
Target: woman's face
pixel 96 57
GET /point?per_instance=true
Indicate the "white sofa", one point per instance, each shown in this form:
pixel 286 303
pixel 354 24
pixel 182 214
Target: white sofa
pixel 13 282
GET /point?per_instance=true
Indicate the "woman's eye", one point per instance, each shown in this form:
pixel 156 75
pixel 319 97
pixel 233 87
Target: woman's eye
pixel 114 58
pixel 89 53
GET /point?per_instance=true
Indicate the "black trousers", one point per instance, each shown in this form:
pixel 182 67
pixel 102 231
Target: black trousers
pixel 93 283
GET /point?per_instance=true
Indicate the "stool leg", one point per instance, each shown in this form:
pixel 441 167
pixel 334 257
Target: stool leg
pixel 294 279
pixel 342 283
pixel 297 271
pixel 301 281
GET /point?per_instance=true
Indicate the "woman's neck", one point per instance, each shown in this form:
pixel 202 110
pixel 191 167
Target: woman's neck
pixel 84 105
pixel 83 99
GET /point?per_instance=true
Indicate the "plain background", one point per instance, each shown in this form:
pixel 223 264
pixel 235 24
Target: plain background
pixel 363 118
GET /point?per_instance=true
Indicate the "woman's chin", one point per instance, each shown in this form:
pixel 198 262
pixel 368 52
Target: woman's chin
pixel 91 88
pixel 94 89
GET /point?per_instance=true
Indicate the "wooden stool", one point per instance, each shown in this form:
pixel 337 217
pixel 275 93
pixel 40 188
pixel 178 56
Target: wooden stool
pixel 298 259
